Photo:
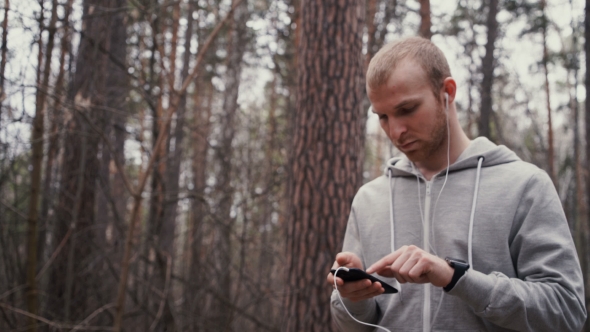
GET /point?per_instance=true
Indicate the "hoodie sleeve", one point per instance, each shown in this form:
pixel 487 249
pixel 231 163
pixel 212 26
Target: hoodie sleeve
pixel 548 293
pixel 365 311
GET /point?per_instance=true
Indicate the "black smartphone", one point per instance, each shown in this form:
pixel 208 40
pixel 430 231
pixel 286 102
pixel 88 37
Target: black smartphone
pixel 353 274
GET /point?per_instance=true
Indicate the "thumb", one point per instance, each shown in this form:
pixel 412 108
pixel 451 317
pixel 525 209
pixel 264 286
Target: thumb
pixel 344 258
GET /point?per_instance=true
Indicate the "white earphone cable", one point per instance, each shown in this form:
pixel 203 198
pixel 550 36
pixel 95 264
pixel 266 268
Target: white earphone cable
pixel 344 306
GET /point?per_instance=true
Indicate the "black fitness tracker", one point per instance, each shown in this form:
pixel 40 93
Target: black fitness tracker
pixel 460 268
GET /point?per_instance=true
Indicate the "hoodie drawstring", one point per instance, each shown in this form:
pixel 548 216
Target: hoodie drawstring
pixel 475 193
pixel 391 223
pixel 392 228
pixel 480 160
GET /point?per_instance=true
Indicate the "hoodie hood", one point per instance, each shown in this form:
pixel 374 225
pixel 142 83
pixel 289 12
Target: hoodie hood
pixel 480 147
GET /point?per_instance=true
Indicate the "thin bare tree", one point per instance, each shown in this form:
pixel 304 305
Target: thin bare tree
pixel 586 228
pixel 487 67
pixel 545 63
pixel 425 21
pixel 44 58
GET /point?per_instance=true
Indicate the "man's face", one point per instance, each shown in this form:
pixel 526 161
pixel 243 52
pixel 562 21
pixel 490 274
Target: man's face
pixel 409 113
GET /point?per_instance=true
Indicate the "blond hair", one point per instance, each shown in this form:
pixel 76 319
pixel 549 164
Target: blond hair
pixel 421 50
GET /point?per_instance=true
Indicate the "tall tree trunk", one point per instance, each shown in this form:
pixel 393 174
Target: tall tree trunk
pixel 36 162
pixel 375 41
pixel 111 197
pixel 165 251
pixel 488 65
pixel 56 118
pixel 325 168
pixel 425 23
pixel 199 129
pixel 154 215
pixel 77 211
pixel 117 91
pixel 4 51
pixel 545 61
pixel 164 185
pixel 110 209
pixel 220 313
pixel 199 209
pixel 586 228
pixel 371 31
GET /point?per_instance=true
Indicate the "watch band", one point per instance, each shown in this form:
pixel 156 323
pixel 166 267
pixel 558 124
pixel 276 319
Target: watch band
pixel 460 268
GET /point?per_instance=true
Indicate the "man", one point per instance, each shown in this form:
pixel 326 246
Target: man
pixel 511 262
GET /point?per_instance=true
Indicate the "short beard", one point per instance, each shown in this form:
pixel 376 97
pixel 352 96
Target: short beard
pixel 438 136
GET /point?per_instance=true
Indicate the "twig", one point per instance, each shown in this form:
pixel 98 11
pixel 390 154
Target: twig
pixel 106 140
pixel 92 315
pixel 165 295
pixel 54 324
pixel 15 211
pixel 55 253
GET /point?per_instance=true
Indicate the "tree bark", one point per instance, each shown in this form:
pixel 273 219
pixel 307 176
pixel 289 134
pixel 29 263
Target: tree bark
pixel 55 118
pixel 325 169
pixel 36 162
pixel 199 208
pixel 375 41
pixel 488 65
pixel 586 228
pixel 425 22
pixel 545 61
pixel 117 91
pixel 222 258
pixel 87 97
pixel 4 50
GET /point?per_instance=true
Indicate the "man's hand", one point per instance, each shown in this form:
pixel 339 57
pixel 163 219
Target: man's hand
pixel 412 264
pixel 353 290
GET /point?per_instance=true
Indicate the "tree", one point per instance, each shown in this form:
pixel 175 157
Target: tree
pixel 325 165
pixel 4 50
pixel 488 65
pixel 586 228
pixel 37 161
pixel 545 62
pixel 75 210
pixel 425 23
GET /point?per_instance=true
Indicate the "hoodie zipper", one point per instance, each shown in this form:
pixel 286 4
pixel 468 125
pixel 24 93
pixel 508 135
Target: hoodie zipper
pixel 426 244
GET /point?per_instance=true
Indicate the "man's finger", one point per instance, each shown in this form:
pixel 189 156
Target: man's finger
pixel 358 289
pixel 343 258
pixel 367 293
pixel 384 262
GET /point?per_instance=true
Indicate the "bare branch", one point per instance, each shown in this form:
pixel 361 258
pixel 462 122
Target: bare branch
pixel 60 326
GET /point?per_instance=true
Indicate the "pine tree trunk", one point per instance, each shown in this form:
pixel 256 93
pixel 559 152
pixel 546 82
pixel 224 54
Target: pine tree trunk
pixel 374 42
pixel 219 312
pixel 586 229
pixel 199 209
pixel 69 295
pixel 325 169
pixel 425 22
pixel 488 64
pixel 37 161
pixel 4 51
pixel 545 60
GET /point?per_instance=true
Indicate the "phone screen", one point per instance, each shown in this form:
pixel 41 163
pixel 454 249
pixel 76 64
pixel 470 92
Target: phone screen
pixel 354 274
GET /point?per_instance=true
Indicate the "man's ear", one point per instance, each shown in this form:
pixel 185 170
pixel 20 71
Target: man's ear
pixel 450 87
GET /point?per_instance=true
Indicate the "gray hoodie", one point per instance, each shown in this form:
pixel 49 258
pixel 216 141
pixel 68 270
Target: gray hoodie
pixel 500 214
